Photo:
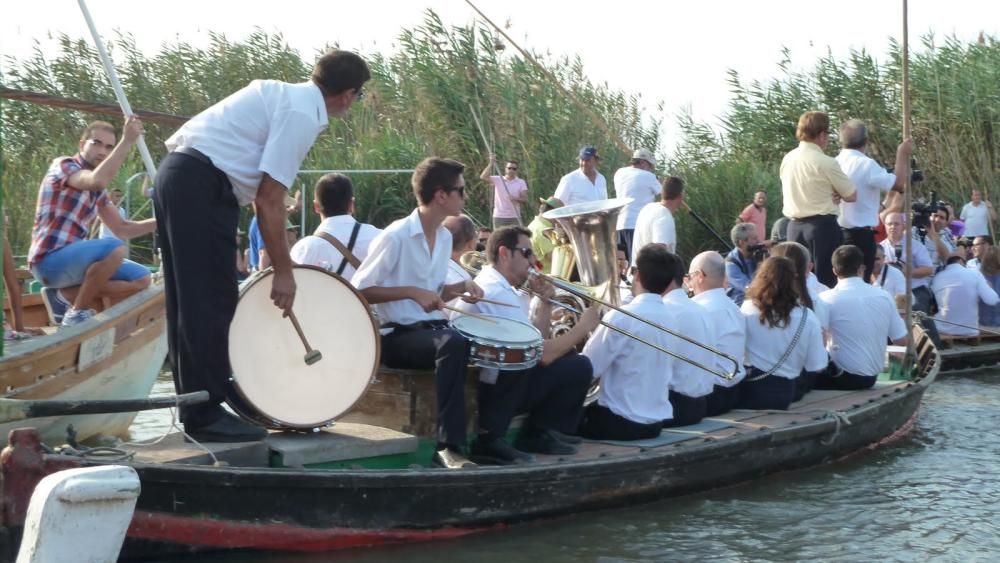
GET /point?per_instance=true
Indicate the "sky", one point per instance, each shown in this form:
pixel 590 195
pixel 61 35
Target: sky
pixel 670 51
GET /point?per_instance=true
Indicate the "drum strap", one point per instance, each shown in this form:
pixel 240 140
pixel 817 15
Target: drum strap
pixel 344 251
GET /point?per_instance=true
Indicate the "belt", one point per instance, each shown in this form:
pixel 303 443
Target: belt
pixel 813 217
pixel 195 154
pixel 872 229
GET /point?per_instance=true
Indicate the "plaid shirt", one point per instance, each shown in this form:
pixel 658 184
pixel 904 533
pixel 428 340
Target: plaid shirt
pixel 63 214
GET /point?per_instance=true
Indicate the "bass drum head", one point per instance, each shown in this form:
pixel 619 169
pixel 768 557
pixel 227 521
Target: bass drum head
pixel 271 382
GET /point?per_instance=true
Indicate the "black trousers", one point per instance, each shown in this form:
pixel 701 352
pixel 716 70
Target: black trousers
pixel 552 395
pixel 803 384
pixel 771 393
pixel 196 219
pixel 821 235
pixel 600 423
pixel 687 410
pixel 835 378
pixel 446 351
pixel 626 236
pixel 923 298
pixel 722 400
pixel 864 239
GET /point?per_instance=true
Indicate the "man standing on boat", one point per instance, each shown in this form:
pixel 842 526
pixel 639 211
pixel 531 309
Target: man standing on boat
pixel 509 193
pixel 812 184
pixel 637 181
pixel 70 197
pixel 245 149
pixel 655 222
pixel 978 215
pixel 585 183
pixel 859 218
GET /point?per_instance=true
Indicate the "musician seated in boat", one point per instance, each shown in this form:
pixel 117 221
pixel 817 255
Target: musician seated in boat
pixel 632 402
pixel 463 239
pixel 958 292
pixel 404 277
pixel 337 231
pixel 783 337
pixel 886 277
pixel 78 273
pixel 862 319
pixel 553 391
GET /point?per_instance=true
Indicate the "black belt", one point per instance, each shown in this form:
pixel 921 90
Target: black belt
pixel 870 229
pixel 812 218
pixel 195 154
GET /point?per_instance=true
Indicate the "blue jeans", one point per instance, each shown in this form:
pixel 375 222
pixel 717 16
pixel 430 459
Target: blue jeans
pixel 67 266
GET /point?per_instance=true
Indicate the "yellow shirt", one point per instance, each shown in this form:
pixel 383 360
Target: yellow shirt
pixel 540 243
pixel 808 179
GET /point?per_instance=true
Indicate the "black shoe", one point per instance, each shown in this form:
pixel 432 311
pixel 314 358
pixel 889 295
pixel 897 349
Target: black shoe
pixel 543 442
pixel 567 438
pixel 227 428
pixel 498 452
pixel 450 459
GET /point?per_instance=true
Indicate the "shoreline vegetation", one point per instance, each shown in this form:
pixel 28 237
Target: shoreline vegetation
pixel 418 101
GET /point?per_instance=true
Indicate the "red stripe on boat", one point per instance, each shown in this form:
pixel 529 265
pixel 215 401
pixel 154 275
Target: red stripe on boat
pixel 206 532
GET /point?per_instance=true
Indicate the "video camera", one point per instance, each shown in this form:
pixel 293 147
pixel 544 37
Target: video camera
pixel 758 252
pixel 922 212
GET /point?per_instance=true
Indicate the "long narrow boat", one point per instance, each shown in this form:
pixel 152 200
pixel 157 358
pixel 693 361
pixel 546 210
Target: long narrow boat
pixel 959 355
pixel 117 355
pixel 356 485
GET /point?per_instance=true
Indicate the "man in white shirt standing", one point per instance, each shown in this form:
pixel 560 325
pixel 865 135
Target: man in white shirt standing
pixel 862 319
pixel 633 400
pixel 637 181
pixel 585 183
pixel 404 278
pixel 859 218
pixel 334 203
pixel 958 291
pixel 978 215
pixel 463 239
pixel 245 149
pixel 707 279
pixel 655 223
pixel 552 392
pixel 509 192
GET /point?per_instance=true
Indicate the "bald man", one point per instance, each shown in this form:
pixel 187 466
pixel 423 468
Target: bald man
pixel 707 279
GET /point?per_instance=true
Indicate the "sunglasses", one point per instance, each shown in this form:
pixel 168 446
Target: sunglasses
pixel 512 168
pixel 525 251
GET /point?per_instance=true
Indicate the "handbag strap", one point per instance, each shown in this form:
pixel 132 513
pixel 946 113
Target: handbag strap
pixel 788 351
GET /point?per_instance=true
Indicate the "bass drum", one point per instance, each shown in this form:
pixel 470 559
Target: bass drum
pixel 271 383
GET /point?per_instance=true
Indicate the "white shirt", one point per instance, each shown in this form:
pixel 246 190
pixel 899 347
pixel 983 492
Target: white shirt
pixel 972 264
pixel 921 258
pixel 576 187
pixel 266 127
pixel 695 324
pixel 862 318
pixel 958 291
pixel 315 251
pixel 654 224
pixel 105 232
pixel 635 378
pixel 895 282
pixel 730 332
pixel 638 184
pixel 456 274
pixel 766 345
pixel 977 219
pixel 400 256
pixel 871 181
pixel 819 308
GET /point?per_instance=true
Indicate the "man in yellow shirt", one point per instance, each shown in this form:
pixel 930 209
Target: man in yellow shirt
pixel 813 185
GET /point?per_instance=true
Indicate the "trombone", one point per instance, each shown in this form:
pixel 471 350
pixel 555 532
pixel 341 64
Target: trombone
pixel 472 261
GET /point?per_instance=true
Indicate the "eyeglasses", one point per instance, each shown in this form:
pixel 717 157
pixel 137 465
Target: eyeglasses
pixel 525 251
pixel 459 189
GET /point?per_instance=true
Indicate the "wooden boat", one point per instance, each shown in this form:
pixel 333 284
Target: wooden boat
pixel 115 356
pixel 965 354
pixel 356 485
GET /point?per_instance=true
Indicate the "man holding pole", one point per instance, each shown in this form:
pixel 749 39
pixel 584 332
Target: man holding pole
pixel 245 149
pixel 509 192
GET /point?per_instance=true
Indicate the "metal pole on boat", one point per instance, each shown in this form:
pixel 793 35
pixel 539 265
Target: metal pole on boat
pixel 907 195
pixel 109 68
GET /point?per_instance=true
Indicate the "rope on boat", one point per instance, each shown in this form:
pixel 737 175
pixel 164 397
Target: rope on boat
pixel 839 417
pixel 920 315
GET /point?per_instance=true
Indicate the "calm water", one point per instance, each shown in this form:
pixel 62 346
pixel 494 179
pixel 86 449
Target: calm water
pixel 932 495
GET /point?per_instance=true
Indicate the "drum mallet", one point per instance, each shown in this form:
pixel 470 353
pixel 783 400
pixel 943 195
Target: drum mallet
pixel 312 356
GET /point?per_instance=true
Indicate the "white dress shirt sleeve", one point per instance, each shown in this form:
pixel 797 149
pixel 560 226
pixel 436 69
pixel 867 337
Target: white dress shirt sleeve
pixel 604 346
pixel 562 188
pixel 291 135
pixel 382 254
pixel 897 328
pixel 880 177
pixel 986 293
pixel 816 356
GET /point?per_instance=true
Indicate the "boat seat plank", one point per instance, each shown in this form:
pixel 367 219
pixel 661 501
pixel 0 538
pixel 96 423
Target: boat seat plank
pixel 173 449
pixel 344 441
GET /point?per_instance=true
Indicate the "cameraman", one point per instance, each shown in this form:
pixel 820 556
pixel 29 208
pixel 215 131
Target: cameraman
pixel 859 218
pixel 742 260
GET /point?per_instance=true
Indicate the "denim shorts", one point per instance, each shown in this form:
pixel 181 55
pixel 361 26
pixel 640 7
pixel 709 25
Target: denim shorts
pixel 67 266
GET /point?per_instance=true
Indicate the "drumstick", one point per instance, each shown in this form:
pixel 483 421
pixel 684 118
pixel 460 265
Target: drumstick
pixel 474 315
pixel 312 356
pixel 491 301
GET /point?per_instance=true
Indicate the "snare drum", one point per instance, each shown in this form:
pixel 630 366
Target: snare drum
pixel 271 383
pixel 505 344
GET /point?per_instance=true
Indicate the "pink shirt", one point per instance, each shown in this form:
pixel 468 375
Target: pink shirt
pixel 758 217
pixel 503 207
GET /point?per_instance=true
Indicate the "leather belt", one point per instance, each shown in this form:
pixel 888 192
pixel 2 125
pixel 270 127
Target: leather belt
pixel 195 154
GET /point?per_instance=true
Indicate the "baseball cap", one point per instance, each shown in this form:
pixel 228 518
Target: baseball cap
pixel 588 152
pixel 644 154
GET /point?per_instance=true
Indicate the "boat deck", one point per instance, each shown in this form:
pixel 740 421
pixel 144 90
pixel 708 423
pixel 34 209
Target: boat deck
pixel 961 354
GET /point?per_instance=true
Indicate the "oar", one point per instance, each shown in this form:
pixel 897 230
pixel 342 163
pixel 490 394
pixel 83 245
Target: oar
pixel 698 218
pixel 20 409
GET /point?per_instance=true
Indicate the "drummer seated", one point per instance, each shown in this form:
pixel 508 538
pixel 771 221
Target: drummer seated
pixel 553 391
pixel 862 319
pixel 632 403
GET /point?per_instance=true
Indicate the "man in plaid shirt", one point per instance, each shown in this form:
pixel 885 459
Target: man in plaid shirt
pixel 70 197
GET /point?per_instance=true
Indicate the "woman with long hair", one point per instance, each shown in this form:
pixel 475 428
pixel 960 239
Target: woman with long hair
pixel 989 266
pixel 783 337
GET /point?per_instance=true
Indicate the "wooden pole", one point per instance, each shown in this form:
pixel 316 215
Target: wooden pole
pixel 907 195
